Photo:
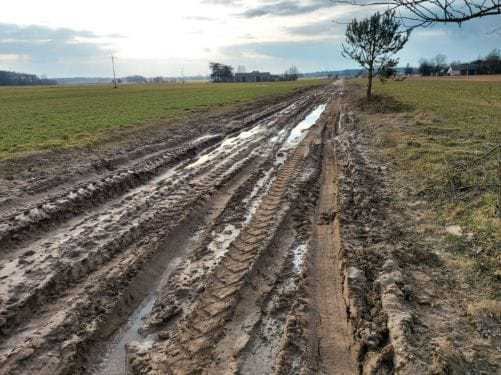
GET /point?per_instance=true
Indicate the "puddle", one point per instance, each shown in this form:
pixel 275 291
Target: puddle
pixel 115 361
pixel 221 241
pixel 298 253
pixel 227 145
pixel 114 358
pixel 298 133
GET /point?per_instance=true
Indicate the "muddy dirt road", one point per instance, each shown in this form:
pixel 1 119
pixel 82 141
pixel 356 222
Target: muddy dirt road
pixel 248 251
pixel 187 248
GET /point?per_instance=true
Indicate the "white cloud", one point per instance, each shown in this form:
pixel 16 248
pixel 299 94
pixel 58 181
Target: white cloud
pixel 12 57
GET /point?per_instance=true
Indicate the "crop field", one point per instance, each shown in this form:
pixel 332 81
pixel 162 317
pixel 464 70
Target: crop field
pixel 40 118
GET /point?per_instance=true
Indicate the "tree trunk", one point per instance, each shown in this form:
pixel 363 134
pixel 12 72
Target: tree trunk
pixel 369 84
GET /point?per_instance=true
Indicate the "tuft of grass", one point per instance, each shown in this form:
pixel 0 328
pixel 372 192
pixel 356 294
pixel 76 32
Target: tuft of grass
pixel 44 118
pixel 487 307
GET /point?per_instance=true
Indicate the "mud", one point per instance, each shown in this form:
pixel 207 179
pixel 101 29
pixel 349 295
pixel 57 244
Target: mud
pixel 265 245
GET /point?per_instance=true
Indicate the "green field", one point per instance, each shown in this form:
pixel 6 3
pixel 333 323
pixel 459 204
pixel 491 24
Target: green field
pixel 40 118
pixel 427 128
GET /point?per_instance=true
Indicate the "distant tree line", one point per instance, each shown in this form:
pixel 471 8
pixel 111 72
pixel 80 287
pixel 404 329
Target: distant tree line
pixel 434 66
pixel 490 64
pixel 22 79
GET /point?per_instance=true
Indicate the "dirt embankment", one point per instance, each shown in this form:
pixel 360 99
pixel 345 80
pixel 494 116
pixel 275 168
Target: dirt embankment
pixel 402 300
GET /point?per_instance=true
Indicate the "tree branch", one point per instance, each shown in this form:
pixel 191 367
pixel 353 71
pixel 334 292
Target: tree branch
pixel 426 12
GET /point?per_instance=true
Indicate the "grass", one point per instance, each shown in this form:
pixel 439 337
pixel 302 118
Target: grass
pixel 426 128
pixel 41 118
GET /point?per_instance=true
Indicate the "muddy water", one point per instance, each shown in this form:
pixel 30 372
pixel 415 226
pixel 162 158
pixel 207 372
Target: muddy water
pixel 299 132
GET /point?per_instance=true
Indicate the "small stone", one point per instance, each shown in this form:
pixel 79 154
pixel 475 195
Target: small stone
pixel 455 230
pixel 407 292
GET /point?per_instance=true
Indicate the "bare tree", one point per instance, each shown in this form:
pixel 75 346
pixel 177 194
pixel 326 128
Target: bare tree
pixel 291 74
pixel 426 12
pixel 372 41
pixel 440 64
pixel 409 70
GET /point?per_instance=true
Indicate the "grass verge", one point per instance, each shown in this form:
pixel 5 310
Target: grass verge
pixel 428 130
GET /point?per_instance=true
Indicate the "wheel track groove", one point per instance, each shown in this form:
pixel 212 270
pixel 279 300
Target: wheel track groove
pixel 230 276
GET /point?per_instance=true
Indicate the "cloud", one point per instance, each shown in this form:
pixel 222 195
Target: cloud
pixel 321 28
pixel 43 44
pixel 286 8
pixel 13 58
pixel 199 18
pixel 52 51
pixel 304 53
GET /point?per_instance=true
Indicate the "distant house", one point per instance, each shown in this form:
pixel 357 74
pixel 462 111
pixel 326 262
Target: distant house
pixel 454 71
pixel 256 76
pixel 463 69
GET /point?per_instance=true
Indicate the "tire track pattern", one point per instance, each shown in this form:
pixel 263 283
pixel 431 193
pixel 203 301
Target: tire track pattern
pixel 175 212
pixel 81 260
pixel 189 347
pixel 53 320
pixel 21 223
pixel 14 228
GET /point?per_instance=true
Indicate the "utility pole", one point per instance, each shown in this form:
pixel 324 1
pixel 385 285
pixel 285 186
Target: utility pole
pixel 114 74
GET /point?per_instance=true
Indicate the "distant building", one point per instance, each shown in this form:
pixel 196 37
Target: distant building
pixel 256 76
pixel 454 71
pixel 463 69
pixel 133 80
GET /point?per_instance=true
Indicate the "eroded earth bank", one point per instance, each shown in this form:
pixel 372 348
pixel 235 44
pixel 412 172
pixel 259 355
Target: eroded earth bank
pixel 269 247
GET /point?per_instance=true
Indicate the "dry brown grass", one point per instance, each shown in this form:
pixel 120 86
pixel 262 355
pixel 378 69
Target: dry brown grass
pixel 488 307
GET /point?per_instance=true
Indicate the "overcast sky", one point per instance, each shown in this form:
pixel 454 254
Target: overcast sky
pixel 61 38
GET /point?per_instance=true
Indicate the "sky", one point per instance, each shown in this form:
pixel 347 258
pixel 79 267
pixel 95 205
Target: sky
pixel 61 38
